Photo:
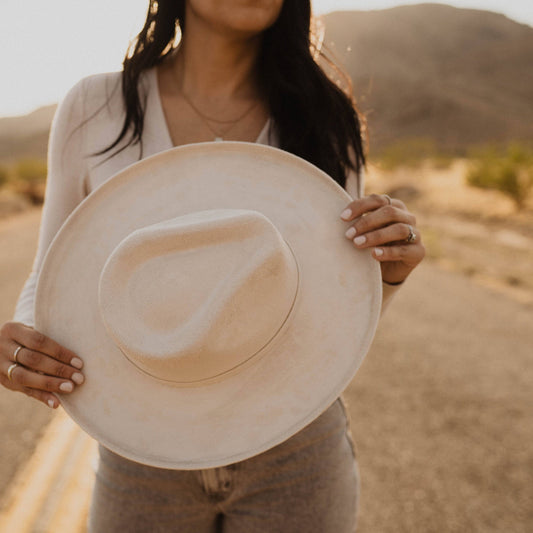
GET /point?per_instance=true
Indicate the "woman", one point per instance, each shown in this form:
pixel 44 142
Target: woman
pixel 243 71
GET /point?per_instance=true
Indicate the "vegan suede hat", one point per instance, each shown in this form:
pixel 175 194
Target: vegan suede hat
pixel 215 301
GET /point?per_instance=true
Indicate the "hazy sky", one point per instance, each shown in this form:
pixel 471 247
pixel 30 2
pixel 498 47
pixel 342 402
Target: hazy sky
pixel 47 45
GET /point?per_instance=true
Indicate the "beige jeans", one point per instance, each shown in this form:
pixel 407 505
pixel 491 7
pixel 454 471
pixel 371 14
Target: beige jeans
pixel 309 483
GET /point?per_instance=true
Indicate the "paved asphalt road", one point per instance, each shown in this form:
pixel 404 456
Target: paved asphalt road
pixel 441 408
pixel 21 419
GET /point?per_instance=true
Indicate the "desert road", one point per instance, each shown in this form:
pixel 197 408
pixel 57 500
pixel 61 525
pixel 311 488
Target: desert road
pixel 441 415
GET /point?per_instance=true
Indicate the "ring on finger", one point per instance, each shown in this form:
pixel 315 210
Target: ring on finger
pixel 412 235
pixel 388 198
pixel 15 354
pixel 10 371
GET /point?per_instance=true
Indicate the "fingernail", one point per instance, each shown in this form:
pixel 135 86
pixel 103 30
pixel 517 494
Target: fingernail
pixel 346 214
pixel 51 404
pixel 378 251
pixel 77 378
pixel 351 233
pixel 66 386
pixel 360 240
pixel 76 362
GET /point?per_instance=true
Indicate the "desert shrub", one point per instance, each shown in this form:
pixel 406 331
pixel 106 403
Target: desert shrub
pixel 412 153
pixel 508 170
pixel 31 170
pixel 4 176
pixel 30 178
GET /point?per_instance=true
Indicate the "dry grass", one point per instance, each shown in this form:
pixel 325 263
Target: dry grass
pixel 476 232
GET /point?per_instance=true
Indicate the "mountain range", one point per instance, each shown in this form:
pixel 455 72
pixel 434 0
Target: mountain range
pixel 458 76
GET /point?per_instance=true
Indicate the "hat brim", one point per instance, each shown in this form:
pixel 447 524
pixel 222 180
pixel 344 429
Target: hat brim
pixel 306 367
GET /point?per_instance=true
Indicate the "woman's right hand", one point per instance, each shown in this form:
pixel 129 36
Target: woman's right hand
pixel 42 366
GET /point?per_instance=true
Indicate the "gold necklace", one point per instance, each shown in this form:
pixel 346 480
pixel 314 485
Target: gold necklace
pixel 230 124
pixel 218 133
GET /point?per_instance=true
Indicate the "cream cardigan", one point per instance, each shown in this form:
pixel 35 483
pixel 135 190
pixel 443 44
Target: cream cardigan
pixel 88 120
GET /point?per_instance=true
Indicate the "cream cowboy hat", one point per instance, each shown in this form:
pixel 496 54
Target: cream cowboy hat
pixel 215 301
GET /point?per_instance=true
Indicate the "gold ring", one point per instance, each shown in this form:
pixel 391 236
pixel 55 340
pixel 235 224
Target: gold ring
pixel 10 371
pixel 389 199
pixel 17 350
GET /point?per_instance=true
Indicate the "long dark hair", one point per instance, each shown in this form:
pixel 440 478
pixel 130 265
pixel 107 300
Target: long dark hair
pixel 314 118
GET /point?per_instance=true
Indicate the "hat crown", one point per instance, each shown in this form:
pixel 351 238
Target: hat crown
pixel 192 298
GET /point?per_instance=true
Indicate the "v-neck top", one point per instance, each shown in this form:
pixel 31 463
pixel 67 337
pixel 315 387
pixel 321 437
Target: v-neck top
pixel 266 135
pixel 87 121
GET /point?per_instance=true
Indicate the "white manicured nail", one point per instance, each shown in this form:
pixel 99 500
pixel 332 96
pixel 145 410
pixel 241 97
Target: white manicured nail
pixel 51 404
pixel 76 362
pixel 378 251
pixel 346 214
pixel 360 240
pixel 67 386
pixel 78 378
pixel 351 233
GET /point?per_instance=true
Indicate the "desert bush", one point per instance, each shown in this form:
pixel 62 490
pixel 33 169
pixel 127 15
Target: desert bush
pixel 30 178
pixel 508 170
pixel 412 153
pixel 4 176
pixel 30 170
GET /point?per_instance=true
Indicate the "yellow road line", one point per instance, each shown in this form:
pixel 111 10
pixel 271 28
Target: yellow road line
pixel 61 455
pixel 70 512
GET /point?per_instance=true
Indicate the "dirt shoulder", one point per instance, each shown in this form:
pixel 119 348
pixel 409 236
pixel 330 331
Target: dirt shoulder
pixel 475 232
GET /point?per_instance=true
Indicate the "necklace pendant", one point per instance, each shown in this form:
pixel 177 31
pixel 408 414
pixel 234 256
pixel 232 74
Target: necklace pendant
pixel 218 139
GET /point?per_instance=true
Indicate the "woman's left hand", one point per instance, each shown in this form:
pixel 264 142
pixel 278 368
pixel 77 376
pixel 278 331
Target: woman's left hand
pixel 385 224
